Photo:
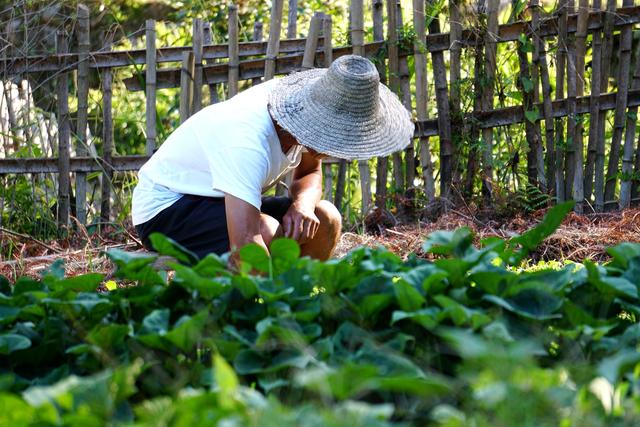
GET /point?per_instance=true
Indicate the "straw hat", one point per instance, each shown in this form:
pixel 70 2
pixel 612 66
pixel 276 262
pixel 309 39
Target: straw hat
pixel 343 111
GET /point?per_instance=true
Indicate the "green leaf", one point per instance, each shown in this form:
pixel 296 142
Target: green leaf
pixel 255 256
pixel 156 322
pixel 108 337
pixel 13 342
pixel 427 317
pixel 83 283
pixel 615 366
pixel 521 246
pixel 169 247
pixel 284 254
pixel 527 85
pixel 226 380
pixel 135 266
pixel 617 286
pixel 532 115
pixel 623 253
pixel 530 303
pixel 192 281
pixel 188 331
pixel 455 243
pixel 408 297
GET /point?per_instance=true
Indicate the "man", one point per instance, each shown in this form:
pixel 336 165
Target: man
pixel 203 186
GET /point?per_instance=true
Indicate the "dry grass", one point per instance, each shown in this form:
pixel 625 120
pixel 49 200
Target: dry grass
pixel 578 238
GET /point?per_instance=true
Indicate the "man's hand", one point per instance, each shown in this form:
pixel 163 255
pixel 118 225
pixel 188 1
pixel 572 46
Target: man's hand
pixel 300 223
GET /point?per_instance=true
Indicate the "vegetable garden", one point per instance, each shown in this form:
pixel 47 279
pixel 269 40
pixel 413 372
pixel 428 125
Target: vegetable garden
pixel 462 338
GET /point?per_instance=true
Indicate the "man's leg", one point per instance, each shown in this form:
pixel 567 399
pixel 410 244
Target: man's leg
pixel 326 238
pixel 270 228
pixel 324 242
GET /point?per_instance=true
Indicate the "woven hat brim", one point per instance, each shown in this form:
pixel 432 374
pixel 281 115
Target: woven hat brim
pixel 345 136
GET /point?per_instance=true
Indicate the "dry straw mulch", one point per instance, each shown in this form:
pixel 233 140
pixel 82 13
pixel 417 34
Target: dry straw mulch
pixel 578 238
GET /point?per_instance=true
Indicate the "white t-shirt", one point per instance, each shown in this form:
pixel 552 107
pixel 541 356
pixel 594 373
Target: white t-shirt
pixel 226 148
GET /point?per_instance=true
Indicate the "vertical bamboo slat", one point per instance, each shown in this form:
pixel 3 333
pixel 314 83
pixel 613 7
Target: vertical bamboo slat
pixel 561 61
pixel 447 150
pixel 62 90
pixel 196 101
pixel 107 143
pixel 621 108
pixel 607 48
pixel 292 19
pixel 150 32
pixel 455 69
pixel 569 160
pixel 234 58
pixel 581 36
pixel 357 38
pixel 394 85
pixel 594 108
pixel 420 64
pixel 186 85
pixel 474 134
pixel 540 60
pixel 84 45
pixel 626 181
pixel 490 40
pixel 257 36
pixel 382 163
pixel 309 56
pixel 273 44
pixel 526 84
pixel 207 39
pixel 405 89
pixel 327 32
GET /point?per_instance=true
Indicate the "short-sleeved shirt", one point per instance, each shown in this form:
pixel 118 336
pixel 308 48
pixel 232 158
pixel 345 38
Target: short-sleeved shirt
pixel 226 148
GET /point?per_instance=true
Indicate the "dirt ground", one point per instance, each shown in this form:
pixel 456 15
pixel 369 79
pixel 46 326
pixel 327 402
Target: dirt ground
pixel 578 238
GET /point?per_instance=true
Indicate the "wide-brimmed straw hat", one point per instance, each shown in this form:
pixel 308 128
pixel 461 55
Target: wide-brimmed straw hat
pixel 343 111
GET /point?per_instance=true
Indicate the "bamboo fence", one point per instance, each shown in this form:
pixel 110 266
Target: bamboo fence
pixel 458 140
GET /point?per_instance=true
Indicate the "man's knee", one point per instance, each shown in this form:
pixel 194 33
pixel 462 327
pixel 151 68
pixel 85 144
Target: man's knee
pixel 270 228
pixel 329 217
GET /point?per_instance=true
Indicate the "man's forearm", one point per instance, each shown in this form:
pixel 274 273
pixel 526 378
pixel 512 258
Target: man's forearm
pixel 307 190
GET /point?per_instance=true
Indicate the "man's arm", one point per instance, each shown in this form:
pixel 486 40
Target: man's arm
pixel 243 225
pixel 300 222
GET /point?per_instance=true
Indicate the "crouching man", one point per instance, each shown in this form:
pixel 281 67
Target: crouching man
pixel 203 186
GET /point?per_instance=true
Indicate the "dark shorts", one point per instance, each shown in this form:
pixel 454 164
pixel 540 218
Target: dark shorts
pixel 200 223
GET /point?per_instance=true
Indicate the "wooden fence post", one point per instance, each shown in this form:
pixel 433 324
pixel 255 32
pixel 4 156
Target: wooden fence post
pixel 357 38
pixel 594 108
pixel 327 31
pixel 627 180
pixel 447 150
pixel 420 63
pixel 234 59
pixel 405 90
pixel 84 45
pixel 207 39
pixel 394 85
pixel 186 85
pixel 540 64
pixel 196 101
pixel 63 136
pixel 607 48
pixel 581 48
pixel 107 143
pixel 273 44
pixel 382 164
pixel 151 85
pixel 571 73
pixel 257 36
pixel 621 108
pixel 561 60
pixel 292 19
pixel 490 40
pixel 309 56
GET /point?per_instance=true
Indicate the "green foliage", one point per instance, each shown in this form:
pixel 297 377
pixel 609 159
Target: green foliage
pixel 364 340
